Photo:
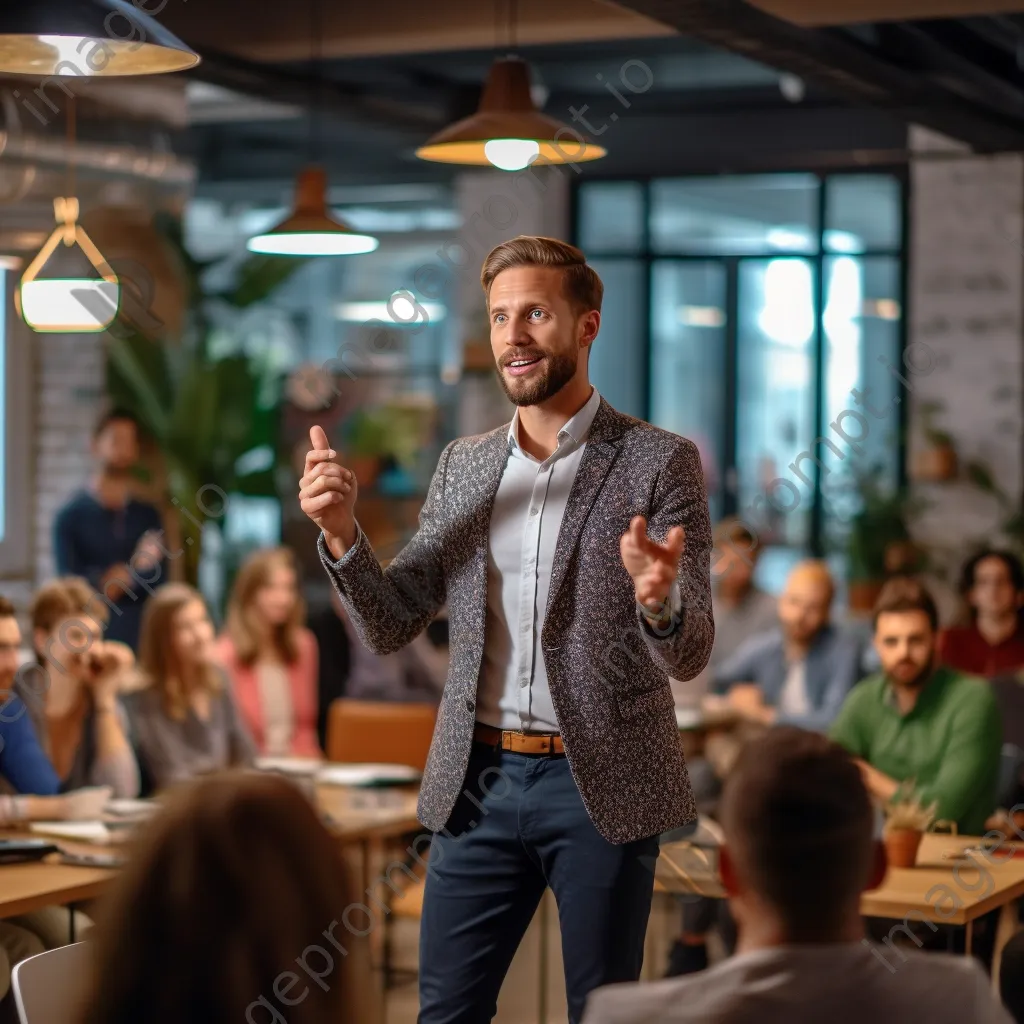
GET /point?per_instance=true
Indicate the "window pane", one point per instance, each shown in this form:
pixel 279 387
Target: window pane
pixel 611 216
pixel 617 355
pixel 775 396
pixel 750 214
pixel 862 211
pixel 688 325
pixel 861 322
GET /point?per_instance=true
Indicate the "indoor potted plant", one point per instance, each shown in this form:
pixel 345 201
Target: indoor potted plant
pixel 365 442
pixel 936 460
pixel 906 821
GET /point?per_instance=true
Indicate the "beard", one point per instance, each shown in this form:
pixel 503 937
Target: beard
pixel 916 681
pixel 559 368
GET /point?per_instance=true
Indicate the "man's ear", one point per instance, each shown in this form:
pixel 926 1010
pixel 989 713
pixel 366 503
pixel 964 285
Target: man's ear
pixel 727 871
pixel 879 866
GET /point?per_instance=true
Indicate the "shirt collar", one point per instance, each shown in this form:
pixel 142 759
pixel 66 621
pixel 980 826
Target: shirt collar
pixel 575 430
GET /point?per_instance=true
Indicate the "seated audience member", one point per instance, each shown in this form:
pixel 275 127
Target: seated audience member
pixel 800 672
pixel 73 692
pixel 270 657
pixel 1011 977
pixel 184 717
pixel 799 851
pixel 992 584
pixel 237 905
pixel 920 721
pixel 740 608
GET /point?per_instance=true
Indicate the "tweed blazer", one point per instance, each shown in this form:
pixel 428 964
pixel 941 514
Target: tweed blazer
pixel 607 669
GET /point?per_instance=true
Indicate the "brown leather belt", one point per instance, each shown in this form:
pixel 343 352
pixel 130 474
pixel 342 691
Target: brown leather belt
pixel 518 742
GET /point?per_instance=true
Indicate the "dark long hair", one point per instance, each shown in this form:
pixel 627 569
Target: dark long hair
pixel 1013 567
pixel 232 882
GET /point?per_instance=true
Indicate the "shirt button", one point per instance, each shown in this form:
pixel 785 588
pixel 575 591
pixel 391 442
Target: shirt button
pixel 533 511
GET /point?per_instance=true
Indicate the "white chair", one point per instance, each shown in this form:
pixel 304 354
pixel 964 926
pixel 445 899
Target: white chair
pixel 48 986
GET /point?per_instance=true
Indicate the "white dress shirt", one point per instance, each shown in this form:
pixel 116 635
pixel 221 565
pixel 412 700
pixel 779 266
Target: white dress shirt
pixel 793 700
pixel 527 515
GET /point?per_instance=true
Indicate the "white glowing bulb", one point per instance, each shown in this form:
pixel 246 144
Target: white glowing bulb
pixel 511 154
pixel 312 243
pixel 67 48
pixel 74 305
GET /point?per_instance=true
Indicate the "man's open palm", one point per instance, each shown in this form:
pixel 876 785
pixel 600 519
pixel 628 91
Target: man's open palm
pixel 653 566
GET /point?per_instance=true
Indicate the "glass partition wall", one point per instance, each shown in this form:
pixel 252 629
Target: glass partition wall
pixel 762 317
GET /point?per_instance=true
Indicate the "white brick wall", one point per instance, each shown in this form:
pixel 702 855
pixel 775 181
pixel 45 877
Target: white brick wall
pixel 966 294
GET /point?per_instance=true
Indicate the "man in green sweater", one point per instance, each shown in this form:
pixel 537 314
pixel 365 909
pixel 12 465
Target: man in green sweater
pixel 915 722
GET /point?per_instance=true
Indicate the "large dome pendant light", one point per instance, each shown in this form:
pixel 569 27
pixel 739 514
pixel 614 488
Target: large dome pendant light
pixel 508 131
pixel 72 304
pixel 311 229
pixel 88 38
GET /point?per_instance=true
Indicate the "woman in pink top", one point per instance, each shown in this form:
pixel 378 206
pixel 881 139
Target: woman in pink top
pixel 271 657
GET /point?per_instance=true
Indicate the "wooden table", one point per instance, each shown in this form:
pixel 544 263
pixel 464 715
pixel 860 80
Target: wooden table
pixel 947 885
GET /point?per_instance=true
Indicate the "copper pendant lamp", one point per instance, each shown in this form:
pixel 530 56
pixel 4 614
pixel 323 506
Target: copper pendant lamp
pixel 508 131
pixel 87 38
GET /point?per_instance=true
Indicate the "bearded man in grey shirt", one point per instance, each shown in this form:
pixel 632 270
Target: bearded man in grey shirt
pixel 799 851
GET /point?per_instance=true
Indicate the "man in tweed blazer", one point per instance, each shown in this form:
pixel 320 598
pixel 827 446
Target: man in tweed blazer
pixel 572 546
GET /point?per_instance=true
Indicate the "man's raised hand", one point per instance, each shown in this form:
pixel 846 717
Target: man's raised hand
pixel 653 566
pixel 327 494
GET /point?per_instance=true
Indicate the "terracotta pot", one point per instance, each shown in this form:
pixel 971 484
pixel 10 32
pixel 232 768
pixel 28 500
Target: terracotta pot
pixel 901 845
pixel 862 595
pixel 935 464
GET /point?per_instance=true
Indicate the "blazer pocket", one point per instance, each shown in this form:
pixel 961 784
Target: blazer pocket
pixel 647 703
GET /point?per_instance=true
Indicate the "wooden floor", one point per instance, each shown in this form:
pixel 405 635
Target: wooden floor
pixel 519 1002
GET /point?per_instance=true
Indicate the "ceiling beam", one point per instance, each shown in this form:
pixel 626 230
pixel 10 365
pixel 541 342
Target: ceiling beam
pixel 815 13
pixel 834 61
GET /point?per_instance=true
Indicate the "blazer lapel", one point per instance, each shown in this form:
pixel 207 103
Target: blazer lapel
pixel 599 453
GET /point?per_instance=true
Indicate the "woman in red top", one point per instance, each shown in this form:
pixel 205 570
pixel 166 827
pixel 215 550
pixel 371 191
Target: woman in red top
pixel 271 657
pixel 992 584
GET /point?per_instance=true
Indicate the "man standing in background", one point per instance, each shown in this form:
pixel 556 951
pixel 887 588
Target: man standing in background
pixel 109 537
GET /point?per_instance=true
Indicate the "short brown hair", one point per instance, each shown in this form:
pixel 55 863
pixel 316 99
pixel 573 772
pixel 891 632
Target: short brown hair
pixel 231 888
pixel 800 822
pixel 64 597
pixel 7 609
pixel 905 594
pixel 582 286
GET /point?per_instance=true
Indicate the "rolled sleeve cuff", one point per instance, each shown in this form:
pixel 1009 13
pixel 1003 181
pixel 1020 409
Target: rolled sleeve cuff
pixel 325 552
pixel 672 618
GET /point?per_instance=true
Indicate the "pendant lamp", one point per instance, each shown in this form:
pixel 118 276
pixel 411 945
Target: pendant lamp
pixel 88 38
pixel 72 303
pixel 508 131
pixel 312 230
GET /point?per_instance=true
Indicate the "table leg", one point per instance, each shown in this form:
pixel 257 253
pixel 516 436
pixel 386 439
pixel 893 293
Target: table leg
pixel 968 936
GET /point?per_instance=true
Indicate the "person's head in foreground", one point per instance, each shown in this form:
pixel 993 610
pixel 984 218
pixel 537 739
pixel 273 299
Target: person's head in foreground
pixel 544 309
pixel 799 841
pixel 232 908
pixel 992 584
pixel 177 655
pixel 805 602
pixel 906 628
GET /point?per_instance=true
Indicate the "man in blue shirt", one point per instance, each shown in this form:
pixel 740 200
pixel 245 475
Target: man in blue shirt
pixel 109 537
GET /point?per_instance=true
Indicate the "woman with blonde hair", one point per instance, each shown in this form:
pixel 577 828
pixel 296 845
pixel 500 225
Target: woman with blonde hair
pixel 236 905
pixel 271 657
pixel 183 717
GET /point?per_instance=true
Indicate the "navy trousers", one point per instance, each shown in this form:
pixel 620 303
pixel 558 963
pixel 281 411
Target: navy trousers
pixel 518 827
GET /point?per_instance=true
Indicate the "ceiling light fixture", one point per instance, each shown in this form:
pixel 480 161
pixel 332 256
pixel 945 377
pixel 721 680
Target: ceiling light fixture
pixel 312 230
pixel 508 131
pixel 72 304
pixel 88 38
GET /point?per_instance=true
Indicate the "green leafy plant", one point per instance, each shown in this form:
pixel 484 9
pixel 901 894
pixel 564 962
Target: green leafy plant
pixel 366 434
pixel 214 417
pixel 881 521
pixel 928 412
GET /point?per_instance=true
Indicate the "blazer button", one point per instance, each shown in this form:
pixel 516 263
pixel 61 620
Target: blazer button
pixel 470 706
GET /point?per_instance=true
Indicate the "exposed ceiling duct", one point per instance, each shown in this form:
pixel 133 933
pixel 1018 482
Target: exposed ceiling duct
pixel 860 64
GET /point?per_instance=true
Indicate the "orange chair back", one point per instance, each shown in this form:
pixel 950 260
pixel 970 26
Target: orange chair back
pixel 385 732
